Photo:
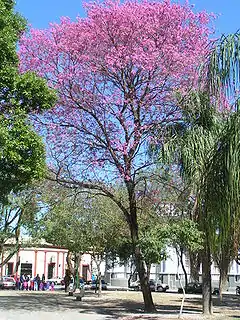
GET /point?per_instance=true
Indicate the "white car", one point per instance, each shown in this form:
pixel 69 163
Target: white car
pixel 162 287
pixel 7 283
pixel 56 280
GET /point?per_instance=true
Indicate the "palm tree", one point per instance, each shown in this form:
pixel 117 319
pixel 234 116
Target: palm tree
pixel 220 181
pixel 208 151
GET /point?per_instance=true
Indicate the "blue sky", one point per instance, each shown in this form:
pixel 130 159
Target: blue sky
pixel 40 12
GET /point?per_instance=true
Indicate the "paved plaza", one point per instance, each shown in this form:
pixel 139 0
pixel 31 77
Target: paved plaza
pixel 23 305
pixel 18 305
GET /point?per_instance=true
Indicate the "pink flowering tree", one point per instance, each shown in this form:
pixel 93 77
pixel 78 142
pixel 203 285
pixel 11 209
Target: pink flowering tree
pixel 116 72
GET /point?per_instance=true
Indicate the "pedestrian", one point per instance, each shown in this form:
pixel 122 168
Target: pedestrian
pixel 35 287
pixel 32 284
pixel 28 283
pixel 52 286
pixel 37 279
pixel 22 278
pixel 18 283
pixel 47 285
pixel 25 284
pixel 41 286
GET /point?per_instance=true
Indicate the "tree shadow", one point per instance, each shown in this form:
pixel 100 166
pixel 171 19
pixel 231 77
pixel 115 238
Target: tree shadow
pixel 110 307
pixel 60 302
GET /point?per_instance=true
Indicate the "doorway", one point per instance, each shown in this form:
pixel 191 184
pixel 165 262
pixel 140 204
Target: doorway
pixel 26 268
pixel 51 270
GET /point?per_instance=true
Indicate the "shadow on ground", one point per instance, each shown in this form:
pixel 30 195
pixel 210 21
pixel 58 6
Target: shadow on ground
pixel 113 307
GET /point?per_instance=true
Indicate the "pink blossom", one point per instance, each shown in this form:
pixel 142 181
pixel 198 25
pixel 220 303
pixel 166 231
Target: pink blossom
pixel 116 72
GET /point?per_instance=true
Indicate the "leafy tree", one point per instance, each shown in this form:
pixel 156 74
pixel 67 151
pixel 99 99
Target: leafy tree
pixel 184 237
pixel 19 209
pixel 153 242
pixel 115 73
pixel 82 224
pixel 220 192
pixel 22 153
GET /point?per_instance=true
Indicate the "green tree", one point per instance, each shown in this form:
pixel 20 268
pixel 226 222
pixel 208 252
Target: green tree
pixel 82 224
pixel 19 209
pixel 209 156
pixel 185 237
pixel 22 153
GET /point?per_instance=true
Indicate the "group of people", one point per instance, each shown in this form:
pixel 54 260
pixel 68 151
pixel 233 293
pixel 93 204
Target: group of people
pixel 25 282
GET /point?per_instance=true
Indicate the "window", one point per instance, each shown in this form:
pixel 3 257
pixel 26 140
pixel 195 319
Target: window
pixel 9 269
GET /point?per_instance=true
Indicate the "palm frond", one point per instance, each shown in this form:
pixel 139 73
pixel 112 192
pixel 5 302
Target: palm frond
pixel 223 72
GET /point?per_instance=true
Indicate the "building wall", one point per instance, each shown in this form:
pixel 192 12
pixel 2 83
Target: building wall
pixel 44 260
pixel 50 261
pixel 170 272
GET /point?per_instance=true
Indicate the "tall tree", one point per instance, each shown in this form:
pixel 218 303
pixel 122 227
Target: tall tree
pixel 22 153
pixel 209 153
pixel 115 72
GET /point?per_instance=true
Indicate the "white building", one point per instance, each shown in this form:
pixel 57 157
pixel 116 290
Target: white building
pixel 51 261
pixel 169 271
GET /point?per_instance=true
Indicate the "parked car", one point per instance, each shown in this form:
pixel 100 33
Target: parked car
pixel 192 287
pixel 56 280
pixel 152 285
pixel 135 285
pixel 196 287
pixel 162 287
pixel 95 283
pixel 238 290
pixel 7 283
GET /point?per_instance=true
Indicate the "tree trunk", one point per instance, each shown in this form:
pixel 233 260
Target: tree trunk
pixel 10 254
pixel 140 263
pixel 69 263
pixel 148 271
pixel 183 267
pixel 77 261
pixel 223 269
pixel 147 295
pixel 195 257
pixel 142 272
pixel 194 266
pixel 99 279
pixel 206 280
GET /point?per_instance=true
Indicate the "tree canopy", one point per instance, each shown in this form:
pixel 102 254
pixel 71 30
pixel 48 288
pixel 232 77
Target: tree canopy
pixel 22 152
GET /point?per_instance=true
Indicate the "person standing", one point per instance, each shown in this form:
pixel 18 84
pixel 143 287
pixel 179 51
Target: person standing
pixel 18 283
pixel 38 281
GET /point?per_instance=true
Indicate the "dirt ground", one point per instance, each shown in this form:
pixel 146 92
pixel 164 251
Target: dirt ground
pixel 121 305
pixel 168 306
